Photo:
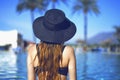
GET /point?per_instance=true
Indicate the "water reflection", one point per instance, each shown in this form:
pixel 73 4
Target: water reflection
pixel 21 65
pixel 90 66
pixel 12 66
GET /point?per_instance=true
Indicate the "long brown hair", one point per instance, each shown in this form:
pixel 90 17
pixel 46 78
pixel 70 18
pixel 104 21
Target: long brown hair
pixel 49 56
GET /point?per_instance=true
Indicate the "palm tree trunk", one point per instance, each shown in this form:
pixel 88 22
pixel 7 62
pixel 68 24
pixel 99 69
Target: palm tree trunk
pixel 85 28
pixel 32 18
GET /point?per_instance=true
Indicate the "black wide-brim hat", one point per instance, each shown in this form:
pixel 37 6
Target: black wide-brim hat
pixel 54 27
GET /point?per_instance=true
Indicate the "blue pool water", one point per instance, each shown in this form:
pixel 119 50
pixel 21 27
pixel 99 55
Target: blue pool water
pixel 97 66
pixel 90 66
pixel 13 66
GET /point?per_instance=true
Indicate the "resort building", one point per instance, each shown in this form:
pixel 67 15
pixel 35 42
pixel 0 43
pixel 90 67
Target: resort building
pixel 11 39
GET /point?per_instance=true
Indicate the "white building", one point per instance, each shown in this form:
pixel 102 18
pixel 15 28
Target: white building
pixel 9 37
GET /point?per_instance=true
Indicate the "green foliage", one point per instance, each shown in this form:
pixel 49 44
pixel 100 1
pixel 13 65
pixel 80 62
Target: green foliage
pixel 32 5
pixel 86 6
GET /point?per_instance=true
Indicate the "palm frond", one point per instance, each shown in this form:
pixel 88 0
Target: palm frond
pixel 21 7
pixel 87 6
pixel 77 8
pixel 32 5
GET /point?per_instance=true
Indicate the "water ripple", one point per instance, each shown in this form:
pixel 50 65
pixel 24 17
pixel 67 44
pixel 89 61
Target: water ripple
pixel 90 66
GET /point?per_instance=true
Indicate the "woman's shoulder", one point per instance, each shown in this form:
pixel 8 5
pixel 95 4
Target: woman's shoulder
pixel 68 50
pixel 32 49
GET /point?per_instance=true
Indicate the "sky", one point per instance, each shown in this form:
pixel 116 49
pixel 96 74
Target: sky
pixel 109 16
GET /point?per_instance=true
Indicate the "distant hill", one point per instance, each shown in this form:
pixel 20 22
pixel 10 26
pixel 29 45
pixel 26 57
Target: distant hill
pixel 100 37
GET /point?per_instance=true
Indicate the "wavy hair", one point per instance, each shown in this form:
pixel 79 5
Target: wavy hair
pixel 49 56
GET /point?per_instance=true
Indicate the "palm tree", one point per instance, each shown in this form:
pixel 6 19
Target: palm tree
pixel 86 6
pixel 56 1
pixel 32 5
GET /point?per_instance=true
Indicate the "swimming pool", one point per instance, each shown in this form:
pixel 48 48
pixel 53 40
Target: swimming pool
pixel 90 66
pixel 13 66
pixel 98 66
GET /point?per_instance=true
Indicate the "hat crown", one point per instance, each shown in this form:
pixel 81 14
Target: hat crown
pixel 55 20
pixel 54 16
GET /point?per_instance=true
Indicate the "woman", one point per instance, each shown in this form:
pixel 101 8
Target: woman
pixel 51 59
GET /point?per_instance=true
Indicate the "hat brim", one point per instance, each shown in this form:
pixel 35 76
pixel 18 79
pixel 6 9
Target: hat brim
pixel 52 36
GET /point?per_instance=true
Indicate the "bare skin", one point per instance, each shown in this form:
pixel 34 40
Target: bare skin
pixel 68 59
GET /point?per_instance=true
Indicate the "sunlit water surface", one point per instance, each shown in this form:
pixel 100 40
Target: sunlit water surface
pixel 13 66
pixel 98 66
pixel 90 66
